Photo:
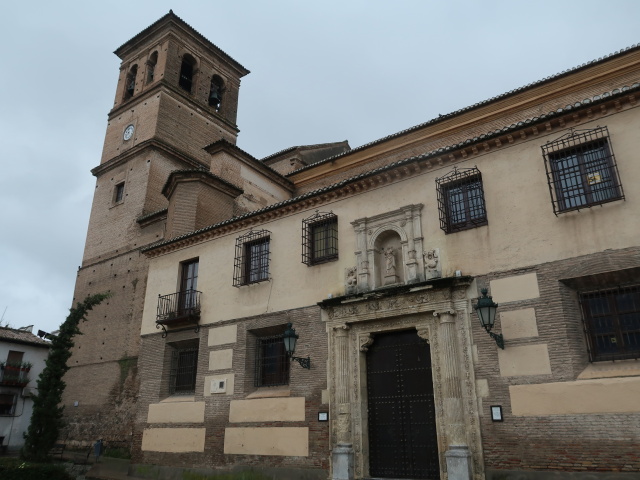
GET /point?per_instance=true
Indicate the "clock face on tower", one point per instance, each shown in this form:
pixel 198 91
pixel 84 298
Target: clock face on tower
pixel 128 132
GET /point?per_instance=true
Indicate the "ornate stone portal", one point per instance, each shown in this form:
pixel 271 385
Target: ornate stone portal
pixel 440 315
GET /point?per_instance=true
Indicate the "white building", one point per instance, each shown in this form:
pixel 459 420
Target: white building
pixel 22 359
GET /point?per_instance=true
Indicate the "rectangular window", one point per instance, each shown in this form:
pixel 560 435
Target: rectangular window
pixel 14 358
pixel 272 362
pixel 252 258
pixel 612 322
pixel 461 200
pixel 7 403
pixel 184 368
pixel 118 193
pixel 581 170
pixel 320 238
pixel 188 285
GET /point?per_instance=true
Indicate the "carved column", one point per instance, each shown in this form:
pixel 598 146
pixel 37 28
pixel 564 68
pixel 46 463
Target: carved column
pixel 457 455
pixel 342 455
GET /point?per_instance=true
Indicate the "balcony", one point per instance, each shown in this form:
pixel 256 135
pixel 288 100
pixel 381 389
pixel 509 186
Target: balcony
pixel 178 310
pixel 14 375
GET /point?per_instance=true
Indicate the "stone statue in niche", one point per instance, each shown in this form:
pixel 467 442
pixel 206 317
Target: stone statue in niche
pixel 390 260
pixel 432 267
pixel 390 276
pixel 351 282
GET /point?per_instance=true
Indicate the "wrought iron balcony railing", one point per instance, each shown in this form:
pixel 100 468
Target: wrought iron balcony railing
pixel 177 309
pixel 14 376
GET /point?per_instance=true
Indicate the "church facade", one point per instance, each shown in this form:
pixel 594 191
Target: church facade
pixel 313 314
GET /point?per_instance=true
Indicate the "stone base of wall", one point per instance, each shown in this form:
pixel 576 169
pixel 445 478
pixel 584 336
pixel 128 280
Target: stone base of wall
pixel 548 475
pixel 158 472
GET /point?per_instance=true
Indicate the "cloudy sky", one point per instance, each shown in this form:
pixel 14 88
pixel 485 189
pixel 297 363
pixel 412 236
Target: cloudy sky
pixel 322 71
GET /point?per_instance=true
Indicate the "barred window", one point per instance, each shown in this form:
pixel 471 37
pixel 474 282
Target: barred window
pixel 320 238
pixel 581 170
pixel 612 323
pixel 461 200
pixel 272 362
pixel 252 258
pixel 184 367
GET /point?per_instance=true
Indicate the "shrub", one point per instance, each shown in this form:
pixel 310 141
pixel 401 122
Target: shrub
pixel 15 469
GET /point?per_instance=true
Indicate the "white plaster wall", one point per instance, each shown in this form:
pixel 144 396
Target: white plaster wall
pixel 522 231
pixel 13 427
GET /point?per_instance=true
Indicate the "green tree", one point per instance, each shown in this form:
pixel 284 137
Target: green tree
pixel 46 419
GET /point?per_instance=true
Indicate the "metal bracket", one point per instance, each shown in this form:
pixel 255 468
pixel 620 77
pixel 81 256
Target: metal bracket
pixel 498 338
pixel 304 362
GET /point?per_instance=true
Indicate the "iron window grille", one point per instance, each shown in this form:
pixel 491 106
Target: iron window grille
pixel 612 323
pixel 184 366
pixel 581 170
pixel 272 362
pixel 461 200
pixel 320 238
pixel 251 263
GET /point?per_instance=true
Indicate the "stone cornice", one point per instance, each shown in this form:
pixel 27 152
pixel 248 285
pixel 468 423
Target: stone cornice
pixel 203 176
pixel 559 121
pixel 147 144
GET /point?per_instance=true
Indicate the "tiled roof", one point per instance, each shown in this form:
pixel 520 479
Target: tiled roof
pixel 21 336
pixel 424 156
pixel 173 16
pixel 448 116
pixel 200 171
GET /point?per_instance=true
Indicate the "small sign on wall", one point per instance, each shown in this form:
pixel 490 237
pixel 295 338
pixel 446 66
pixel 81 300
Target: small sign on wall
pixel 496 413
pixel 323 416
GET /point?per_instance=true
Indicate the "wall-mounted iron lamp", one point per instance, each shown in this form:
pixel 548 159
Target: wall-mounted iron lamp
pixel 290 338
pixel 486 310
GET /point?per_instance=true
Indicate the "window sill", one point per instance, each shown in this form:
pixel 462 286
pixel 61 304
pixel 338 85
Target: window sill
pixel 610 369
pixel 270 392
pixel 179 398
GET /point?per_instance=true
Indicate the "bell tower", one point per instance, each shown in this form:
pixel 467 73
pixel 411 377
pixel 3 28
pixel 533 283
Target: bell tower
pixel 176 93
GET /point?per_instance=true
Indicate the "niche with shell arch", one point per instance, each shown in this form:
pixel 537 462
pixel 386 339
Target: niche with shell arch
pixel 389 249
pixel 389 258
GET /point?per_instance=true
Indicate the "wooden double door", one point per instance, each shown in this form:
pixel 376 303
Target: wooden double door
pixel 402 422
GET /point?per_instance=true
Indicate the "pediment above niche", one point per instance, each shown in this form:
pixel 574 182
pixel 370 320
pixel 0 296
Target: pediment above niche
pixel 390 251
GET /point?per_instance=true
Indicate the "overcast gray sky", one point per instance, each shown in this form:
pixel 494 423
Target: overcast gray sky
pixel 322 71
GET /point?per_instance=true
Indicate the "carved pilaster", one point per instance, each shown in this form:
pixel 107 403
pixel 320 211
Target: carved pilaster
pixel 342 364
pixel 451 387
pixel 342 454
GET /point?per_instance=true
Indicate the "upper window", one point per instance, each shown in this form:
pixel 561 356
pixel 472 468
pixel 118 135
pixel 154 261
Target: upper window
pixel 151 66
pixel 252 258
pixel 272 362
pixel 187 72
pixel 215 93
pixel 130 85
pixel 320 238
pixel 188 298
pixel 581 170
pixel 118 193
pixel 461 200
pixel 612 323
pixel 184 367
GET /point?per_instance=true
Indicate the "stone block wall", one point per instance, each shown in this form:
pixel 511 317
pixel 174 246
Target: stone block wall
pixel 560 412
pixel 226 351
